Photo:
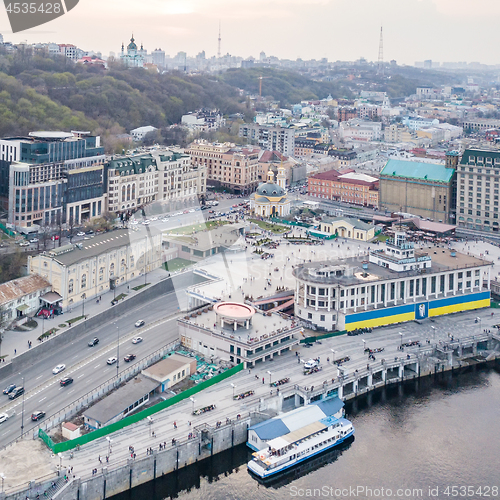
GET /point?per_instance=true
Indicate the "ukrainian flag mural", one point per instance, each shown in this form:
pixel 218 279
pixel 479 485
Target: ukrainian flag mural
pixel 420 310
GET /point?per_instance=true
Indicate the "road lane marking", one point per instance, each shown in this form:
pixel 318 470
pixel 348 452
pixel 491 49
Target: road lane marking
pixel 82 375
pixel 42 399
pixel 39 377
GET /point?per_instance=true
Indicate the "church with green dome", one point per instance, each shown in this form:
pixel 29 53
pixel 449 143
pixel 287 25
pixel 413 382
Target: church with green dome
pixel 134 58
pixel 271 199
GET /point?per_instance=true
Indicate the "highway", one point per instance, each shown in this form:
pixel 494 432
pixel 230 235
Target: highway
pixel 87 365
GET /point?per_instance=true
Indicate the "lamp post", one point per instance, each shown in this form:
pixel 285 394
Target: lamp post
pixel 364 345
pixel 150 420
pixel 3 479
pixel 233 386
pixel 433 332
pixel 270 375
pixel 333 357
pixel 60 460
pixel 401 340
pixel 108 439
pixel 479 320
pixel 83 306
pixel 22 411
pixel 117 349
pixel 192 401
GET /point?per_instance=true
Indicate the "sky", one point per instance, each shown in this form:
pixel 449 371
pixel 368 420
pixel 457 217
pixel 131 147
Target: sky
pixel 413 30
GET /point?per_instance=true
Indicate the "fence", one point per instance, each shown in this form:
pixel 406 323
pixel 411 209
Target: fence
pixel 307 340
pixel 277 220
pixel 132 419
pixel 6 230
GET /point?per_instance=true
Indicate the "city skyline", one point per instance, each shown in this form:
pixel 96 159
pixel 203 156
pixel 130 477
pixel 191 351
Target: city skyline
pixel 440 30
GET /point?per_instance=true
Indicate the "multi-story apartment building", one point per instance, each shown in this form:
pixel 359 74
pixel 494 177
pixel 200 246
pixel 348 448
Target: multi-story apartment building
pixel 478 180
pixel 235 169
pixel 274 138
pixel 355 188
pixel 480 124
pixel 304 147
pixel 158 175
pixel 53 177
pixel 399 133
pixel 346 157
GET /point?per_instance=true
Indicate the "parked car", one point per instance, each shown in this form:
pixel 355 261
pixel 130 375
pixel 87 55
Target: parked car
pixel 24 244
pixel 16 392
pixel 81 233
pixel 129 357
pixel 3 417
pixel 66 381
pixel 58 369
pixel 9 388
pixel 139 323
pixel 136 340
pixel 37 415
pixel 34 240
pixel 93 342
pixel 111 361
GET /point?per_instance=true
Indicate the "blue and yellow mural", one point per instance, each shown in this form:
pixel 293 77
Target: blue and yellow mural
pixel 419 310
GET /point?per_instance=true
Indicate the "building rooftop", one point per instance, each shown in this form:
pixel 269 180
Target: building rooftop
pixel 417 170
pixel 355 223
pixel 122 398
pixel 161 370
pixel 358 271
pixel 15 289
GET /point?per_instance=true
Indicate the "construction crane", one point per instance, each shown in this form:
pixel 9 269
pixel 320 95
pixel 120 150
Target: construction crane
pixel 260 84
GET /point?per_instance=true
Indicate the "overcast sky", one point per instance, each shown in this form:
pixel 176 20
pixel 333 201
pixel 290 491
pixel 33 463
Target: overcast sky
pixel 414 30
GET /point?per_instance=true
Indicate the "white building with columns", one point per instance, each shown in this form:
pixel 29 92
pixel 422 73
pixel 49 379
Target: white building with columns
pixel 270 199
pixel 392 285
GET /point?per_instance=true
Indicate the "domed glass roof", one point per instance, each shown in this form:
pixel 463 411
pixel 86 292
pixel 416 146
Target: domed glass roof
pixel 269 189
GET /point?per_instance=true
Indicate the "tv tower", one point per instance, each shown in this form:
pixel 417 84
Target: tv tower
pixel 218 47
pixel 380 68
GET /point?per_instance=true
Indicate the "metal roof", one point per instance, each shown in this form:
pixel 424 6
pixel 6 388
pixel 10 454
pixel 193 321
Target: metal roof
pixel 417 170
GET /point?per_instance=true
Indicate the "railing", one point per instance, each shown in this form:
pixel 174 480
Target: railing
pixel 132 419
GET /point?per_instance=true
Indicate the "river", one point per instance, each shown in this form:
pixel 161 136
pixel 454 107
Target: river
pixel 430 438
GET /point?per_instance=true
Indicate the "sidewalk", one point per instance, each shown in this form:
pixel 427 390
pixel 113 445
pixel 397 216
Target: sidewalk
pixel 16 342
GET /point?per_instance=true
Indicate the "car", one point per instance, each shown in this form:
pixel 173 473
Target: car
pixel 16 392
pixel 185 212
pixel 234 206
pixel 34 240
pixel 146 222
pixel 93 342
pixel 3 417
pixel 58 369
pixel 211 211
pixel 89 231
pixel 134 222
pixel 129 357
pixel 192 210
pixel 55 237
pixel 204 207
pixel 9 388
pixel 24 244
pixel 136 340
pixel 312 363
pixel 111 361
pixel 81 233
pixel 66 381
pixel 37 415
pixel 139 323
pixel 154 218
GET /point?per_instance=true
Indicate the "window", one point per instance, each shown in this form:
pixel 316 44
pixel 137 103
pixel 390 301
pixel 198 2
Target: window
pixel 70 287
pixel 322 317
pixel 84 281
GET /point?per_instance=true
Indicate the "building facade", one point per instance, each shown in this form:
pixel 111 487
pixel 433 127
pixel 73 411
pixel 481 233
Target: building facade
pixel 273 138
pixel 52 175
pixel 424 189
pixel 478 180
pixel 134 58
pixel 352 187
pixel 347 227
pixel 270 199
pixel 81 271
pixel 227 167
pixel 392 285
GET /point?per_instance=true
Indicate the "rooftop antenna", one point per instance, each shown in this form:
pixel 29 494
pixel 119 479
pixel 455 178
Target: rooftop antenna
pixel 218 47
pixel 380 68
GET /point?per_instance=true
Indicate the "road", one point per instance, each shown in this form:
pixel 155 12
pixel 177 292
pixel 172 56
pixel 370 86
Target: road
pixel 87 365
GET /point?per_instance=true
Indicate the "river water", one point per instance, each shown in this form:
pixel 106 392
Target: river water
pixel 431 438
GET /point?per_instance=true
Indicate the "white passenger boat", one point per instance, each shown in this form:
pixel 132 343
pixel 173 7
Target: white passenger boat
pixel 288 450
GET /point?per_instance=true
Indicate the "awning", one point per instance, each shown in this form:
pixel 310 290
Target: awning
pixel 51 297
pixel 22 307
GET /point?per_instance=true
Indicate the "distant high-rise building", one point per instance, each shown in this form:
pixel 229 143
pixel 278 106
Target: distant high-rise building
pixel 158 57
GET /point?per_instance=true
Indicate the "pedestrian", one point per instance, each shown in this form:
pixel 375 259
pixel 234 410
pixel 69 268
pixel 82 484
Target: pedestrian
pixel 175 425
pixel 262 379
pixel 15 352
pixel 107 458
pixel 100 461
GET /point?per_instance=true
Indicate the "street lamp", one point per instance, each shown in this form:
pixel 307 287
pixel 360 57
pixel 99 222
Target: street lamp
pixel 83 306
pixel 364 345
pixel 333 357
pixel 433 331
pixel 3 479
pixel 60 460
pixel 108 439
pixel 117 350
pixel 270 374
pixel 150 420
pixel 22 411
pixel 401 341
pixel 233 386
pixel 479 320
pixel 192 401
